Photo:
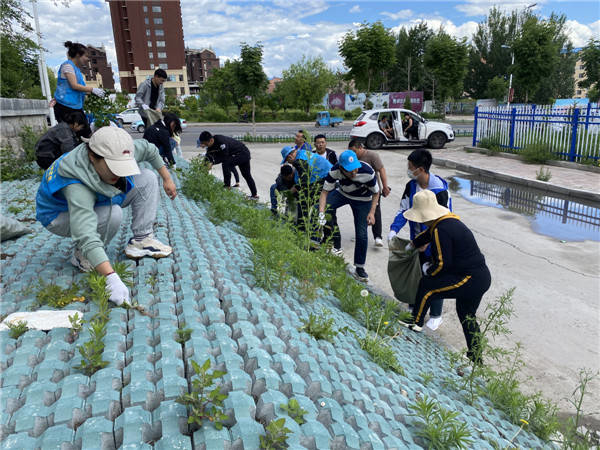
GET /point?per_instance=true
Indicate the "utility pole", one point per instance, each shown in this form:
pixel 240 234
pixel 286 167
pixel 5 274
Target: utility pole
pixel 42 64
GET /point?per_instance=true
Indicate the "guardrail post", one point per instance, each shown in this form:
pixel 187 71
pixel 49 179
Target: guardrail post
pixel 587 115
pixel 475 126
pixel 532 116
pixel 513 117
pixel 572 150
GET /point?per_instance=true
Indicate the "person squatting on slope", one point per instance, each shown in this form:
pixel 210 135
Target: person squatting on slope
pixel 83 192
pixel 419 163
pixel 60 139
pixel 161 134
pixel 283 182
pixel 456 269
pixel 357 187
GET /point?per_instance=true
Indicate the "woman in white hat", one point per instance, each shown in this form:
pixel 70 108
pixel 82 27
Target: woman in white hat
pixel 457 267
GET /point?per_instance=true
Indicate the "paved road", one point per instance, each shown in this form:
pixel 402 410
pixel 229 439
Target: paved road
pixel 556 306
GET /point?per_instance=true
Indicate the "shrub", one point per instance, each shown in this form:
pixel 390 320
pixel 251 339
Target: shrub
pixel 538 152
pixel 543 174
pixel 215 113
pixel 492 143
pixel 431 116
pixel 15 167
pixel 28 140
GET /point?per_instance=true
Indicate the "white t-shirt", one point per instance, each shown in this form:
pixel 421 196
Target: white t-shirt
pixel 65 68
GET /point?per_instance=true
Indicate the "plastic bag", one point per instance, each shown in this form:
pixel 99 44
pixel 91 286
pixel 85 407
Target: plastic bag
pixel 11 228
pixel 404 270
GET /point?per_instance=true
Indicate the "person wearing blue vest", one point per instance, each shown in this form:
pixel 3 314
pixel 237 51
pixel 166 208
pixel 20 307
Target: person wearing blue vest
pixel 83 192
pixel 70 85
pixel 311 170
pixel 419 163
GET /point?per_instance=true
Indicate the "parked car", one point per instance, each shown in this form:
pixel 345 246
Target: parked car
pixel 130 115
pixel 140 128
pixel 324 119
pixel 366 126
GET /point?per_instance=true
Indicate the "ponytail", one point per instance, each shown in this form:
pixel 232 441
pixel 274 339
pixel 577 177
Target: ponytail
pixel 75 49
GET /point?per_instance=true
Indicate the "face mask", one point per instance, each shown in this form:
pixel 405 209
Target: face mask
pixel 411 175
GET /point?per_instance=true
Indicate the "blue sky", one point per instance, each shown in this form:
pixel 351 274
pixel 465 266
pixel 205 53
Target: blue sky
pixel 289 29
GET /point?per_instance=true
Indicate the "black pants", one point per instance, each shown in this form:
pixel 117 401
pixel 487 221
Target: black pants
pixel 376 227
pixel 467 289
pixel 236 175
pixel 244 166
pixel 60 111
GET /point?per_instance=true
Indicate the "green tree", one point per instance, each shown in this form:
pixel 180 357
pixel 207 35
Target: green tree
pixel 497 88
pixel 284 96
pixel 223 86
pixel 446 60
pixel 308 81
pixel 409 72
pixel 369 54
pixel 487 56
pixel 250 75
pixel 590 56
pixel 537 53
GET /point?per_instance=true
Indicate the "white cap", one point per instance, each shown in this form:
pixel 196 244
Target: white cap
pixel 115 145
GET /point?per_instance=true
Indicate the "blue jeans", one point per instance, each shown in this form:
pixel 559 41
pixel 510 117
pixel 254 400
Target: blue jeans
pixel 360 211
pixel 273 193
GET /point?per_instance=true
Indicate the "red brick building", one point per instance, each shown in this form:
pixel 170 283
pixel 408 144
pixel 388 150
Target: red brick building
pixel 200 65
pixel 98 65
pixel 149 35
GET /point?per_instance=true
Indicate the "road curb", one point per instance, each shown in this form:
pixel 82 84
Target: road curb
pixel 540 185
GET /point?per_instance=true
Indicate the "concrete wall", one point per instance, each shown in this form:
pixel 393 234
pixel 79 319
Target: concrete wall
pixel 16 113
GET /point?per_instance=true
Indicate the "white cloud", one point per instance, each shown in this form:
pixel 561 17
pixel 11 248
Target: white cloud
pixel 482 7
pixel 354 9
pixel 580 34
pixel 464 30
pixel 402 14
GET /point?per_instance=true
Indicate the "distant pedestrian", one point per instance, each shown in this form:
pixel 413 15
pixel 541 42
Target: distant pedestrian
pixel 60 139
pixel 70 85
pixel 160 134
pixel 150 97
pixel 411 130
pixel 321 149
pixel 419 164
pixel 373 159
pixel 300 141
pixel 457 268
pixel 231 153
pixel 356 186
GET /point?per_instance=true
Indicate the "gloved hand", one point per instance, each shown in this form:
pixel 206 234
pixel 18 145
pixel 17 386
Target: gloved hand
pixel 409 247
pixel 391 235
pixel 145 107
pixel 425 267
pixel 99 92
pixel 322 219
pixel 119 293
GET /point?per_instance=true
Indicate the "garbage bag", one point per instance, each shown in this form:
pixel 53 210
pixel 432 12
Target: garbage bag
pixel 11 228
pixel 153 116
pixel 404 270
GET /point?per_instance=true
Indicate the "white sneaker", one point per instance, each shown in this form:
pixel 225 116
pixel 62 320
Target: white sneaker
pixel 378 242
pixel 434 322
pixel 336 251
pixel 147 247
pixel 79 261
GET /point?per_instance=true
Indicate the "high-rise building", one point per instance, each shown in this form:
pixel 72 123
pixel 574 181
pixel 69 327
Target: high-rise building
pixel 99 72
pixel 200 65
pixel 149 35
pixel 579 75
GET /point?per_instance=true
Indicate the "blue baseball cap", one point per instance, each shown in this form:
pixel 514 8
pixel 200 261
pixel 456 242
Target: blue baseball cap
pixel 285 152
pixel 349 161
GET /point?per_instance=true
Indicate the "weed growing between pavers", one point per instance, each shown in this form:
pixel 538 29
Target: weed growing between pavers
pixel 277 434
pixel 17 329
pixel 440 427
pixel 543 174
pixel 50 294
pixel 320 326
pixel 204 403
pixel 294 410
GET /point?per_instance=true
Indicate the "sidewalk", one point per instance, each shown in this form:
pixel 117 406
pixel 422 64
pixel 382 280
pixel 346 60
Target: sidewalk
pixel 582 183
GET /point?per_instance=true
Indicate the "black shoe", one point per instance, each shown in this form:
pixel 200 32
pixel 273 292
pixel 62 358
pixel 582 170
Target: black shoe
pixel 410 324
pixel 361 275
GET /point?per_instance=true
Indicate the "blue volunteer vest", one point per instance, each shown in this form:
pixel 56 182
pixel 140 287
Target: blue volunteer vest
pixel 319 165
pixel 50 201
pixel 67 96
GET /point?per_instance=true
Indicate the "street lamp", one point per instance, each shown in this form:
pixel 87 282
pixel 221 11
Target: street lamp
pixel 42 63
pixel 512 63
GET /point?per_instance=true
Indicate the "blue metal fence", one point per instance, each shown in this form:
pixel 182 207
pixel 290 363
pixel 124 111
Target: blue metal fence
pixel 572 133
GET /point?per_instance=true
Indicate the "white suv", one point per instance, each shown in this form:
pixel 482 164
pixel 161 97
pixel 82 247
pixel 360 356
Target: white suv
pixel 367 127
pixel 130 115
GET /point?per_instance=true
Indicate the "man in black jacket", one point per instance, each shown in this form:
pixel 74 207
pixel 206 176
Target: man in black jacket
pixel 231 153
pixel 321 149
pixel 60 139
pixel 457 268
pixel 161 133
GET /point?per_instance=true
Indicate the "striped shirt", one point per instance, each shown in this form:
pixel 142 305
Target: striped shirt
pixel 361 187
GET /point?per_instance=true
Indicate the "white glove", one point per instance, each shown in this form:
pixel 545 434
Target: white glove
pixel 391 235
pixel 409 247
pixel 99 92
pixel 119 293
pixel 145 107
pixel 425 267
pixel 322 219
pixel 173 166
